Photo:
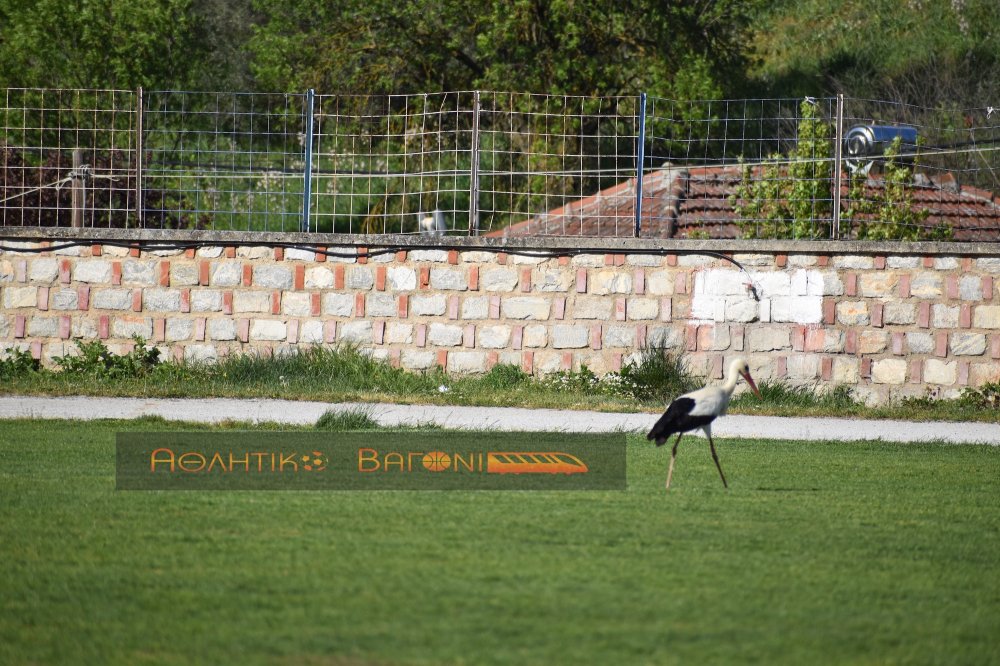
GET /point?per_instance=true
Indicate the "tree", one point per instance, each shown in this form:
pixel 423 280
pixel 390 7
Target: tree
pixel 94 43
pixel 569 52
pixel 364 46
pixel 605 47
pixel 102 44
pixel 221 31
pixel 925 52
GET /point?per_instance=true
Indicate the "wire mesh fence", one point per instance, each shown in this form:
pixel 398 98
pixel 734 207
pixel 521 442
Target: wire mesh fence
pixel 226 161
pixel 498 163
pixel 820 168
pixel 542 157
pixel 387 164
pixel 67 157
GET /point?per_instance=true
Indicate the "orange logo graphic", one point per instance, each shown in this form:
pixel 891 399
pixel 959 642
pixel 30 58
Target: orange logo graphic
pixel 491 462
pixel 316 462
pixel 437 461
pixel 165 459
pixel 522 462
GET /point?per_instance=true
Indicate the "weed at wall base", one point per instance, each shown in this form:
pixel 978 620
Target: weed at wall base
pixel 347 374
pixel 96 360
pixel 18 363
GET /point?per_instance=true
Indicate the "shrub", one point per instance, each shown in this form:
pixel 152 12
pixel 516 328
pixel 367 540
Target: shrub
pixel 777 394
pixel 657 376
pixel 504 376
pixel 96 360
pixel 583 380
pixel 791 198
pixel 890 214
pixel 18 363
pixel 986 396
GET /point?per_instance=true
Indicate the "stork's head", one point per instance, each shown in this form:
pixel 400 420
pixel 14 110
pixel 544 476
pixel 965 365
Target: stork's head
pixel 742 368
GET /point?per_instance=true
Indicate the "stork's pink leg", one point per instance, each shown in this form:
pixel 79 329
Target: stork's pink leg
pixel 673 456
pixel 715 457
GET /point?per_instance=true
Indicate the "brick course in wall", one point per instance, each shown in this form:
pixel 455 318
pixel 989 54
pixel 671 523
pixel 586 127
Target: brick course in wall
pixel 887 324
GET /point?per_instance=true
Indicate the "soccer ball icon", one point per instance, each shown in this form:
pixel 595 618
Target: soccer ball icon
pixel 314 462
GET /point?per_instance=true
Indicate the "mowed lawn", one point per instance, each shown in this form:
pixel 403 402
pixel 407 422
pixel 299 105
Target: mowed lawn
pixel 819 553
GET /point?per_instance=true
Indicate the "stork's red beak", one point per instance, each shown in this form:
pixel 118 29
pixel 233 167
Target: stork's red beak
pixel 746 376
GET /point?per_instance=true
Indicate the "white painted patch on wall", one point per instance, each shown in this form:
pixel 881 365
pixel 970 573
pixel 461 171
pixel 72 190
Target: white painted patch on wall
pixel 722 295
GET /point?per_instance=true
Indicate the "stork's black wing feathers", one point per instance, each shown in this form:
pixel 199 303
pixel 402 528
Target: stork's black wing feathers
pixel 676 419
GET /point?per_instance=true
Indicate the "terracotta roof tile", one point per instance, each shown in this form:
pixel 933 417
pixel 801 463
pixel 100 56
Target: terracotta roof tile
pixel 679 201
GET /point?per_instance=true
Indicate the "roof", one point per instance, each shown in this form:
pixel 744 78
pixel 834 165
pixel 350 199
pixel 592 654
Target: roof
pixel 679 202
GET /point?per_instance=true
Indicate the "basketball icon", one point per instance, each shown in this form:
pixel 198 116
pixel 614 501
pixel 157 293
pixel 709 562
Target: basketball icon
pixel 437 461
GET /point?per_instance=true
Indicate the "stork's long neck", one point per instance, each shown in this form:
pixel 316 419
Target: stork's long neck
pixel 727 390
pixel 730 385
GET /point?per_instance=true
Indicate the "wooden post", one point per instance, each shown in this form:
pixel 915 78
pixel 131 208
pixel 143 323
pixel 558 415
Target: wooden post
pixel 79 189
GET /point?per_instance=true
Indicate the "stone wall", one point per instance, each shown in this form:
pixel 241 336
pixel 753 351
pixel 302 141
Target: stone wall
pixel 885 319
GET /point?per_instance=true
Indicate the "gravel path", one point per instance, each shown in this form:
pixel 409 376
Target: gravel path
pixel 488 418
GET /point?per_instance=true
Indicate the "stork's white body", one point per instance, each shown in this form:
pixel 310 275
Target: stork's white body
pixel 710 401
pixel 698 409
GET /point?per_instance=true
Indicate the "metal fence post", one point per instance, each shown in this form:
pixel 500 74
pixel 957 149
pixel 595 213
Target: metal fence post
pixel 78 191
pixel 138 157
pixel 838 158
pixel 307 176
pixel 474 170
pixel 640 161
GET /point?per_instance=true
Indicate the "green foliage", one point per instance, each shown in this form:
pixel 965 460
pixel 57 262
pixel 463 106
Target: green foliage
pixel 561 47
pixel 347 420
pixel 927 53
pixel 790 198
pixel 583 380
pixel 505 376
pixel 658 376
pixel 19 363
pixel 346 366
pixel 579 50
pixel 94 43
pixel 344 375
pixel 888 212
pixel 777 395
pixel 96 360
pixel 985 397
pixel 105 44
pixel 920 52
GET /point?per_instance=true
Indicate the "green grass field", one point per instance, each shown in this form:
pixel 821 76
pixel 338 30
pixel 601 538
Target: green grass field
pixel 819 553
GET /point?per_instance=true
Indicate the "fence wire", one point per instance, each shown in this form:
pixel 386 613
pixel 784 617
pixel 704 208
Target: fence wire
pixel 499 163
pixel 40 130
pixel 388 164
pixel 229 161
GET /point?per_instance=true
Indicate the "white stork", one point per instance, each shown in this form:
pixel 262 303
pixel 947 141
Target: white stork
pixel 698 409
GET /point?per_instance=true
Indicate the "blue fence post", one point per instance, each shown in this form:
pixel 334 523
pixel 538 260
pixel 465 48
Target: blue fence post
pixel 139 149
pixel 307 176
pixel 640 160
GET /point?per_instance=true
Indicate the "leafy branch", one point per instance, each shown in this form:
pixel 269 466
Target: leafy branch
pixel 791 196
pixel 888 213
